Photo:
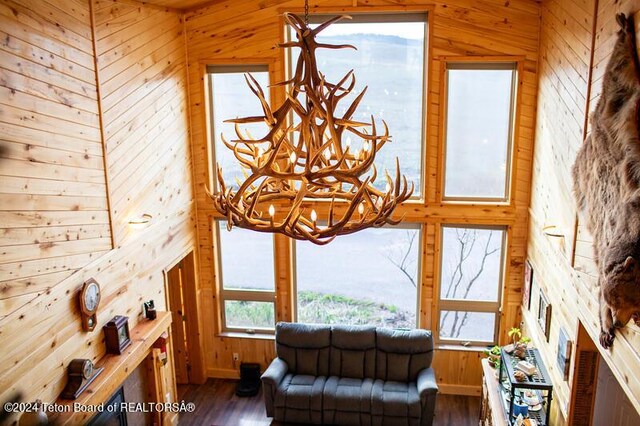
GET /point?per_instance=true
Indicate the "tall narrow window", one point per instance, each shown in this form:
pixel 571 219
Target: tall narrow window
pixel 470 284
pixel 247 289
pixel 369 277
pixel 230 97
pixel 390 62
pixel 479 130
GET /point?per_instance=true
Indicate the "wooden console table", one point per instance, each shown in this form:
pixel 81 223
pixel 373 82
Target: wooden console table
pixel 492 412
pixel 118 367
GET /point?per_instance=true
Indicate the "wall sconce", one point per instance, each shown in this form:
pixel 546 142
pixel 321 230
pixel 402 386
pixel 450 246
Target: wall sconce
pixel 552 231
pixel 141 221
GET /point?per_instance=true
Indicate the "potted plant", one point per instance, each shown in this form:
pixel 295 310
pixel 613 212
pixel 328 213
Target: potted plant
pixel 494 356
pixel 519 345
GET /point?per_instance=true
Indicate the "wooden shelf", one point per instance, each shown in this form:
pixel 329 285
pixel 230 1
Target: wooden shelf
pixel 116 369
pixel 491 393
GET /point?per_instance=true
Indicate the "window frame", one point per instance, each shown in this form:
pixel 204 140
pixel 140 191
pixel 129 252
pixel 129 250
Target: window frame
pixel 420 227
pixel 420 14
pixel 474 306
pixel 484 63
pixel 240 295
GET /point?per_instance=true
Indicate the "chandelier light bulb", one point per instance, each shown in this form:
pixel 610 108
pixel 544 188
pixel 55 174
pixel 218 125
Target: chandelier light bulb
pixel 272 210
pixel 348 142
pixel 314 216
pixel 293 158
pixel 361 209
pixel 327 154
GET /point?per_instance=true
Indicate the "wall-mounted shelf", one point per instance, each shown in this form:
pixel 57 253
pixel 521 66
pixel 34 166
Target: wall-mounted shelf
pixel 116 369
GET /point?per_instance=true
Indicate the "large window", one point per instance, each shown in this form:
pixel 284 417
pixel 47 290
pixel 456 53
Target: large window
pixel 471 270
pixel 479 130
pixel 246 279
pixel 370 277
pixel 230 97
pixel 390 61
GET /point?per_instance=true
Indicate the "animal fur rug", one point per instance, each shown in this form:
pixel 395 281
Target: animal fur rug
pixel 606 178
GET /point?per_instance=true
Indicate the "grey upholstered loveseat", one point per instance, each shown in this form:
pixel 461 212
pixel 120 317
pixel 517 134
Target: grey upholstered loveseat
pixel 351 375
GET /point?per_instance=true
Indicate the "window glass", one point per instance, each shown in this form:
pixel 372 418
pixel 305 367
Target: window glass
pixel 467 326
pixel 369 277
pixel 390 62
pixel 247 259
pixel 248 314
pixel 471 263
pixel 478 132
pixel 232 98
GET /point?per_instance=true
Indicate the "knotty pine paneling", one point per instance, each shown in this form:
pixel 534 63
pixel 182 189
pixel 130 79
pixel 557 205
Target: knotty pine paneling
pixel 53 200
pixel 83 150
pixel 141 70
pixel 458 28
pixel 576 41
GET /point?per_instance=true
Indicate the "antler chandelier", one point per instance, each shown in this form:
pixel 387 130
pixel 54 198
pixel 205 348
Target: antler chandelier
pixel 307 155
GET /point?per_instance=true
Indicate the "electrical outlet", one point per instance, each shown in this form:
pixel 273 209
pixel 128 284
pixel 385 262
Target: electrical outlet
pixel 236 357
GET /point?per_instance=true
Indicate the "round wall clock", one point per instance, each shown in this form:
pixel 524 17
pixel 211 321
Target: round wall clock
pixel 89 301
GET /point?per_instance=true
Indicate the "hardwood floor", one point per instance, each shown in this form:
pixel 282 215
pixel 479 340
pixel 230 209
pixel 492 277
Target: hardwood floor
pixel 217 404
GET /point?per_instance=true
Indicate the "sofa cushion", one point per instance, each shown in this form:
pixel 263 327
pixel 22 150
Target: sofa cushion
pixel 304 347
pixel 299 398
pixel 346 401
pixel 395 399
pixel 401 354
pixel 353 351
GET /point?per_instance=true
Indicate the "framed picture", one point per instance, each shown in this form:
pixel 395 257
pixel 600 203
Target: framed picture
pixel 564 353
pixel 544 314
pixel 528 279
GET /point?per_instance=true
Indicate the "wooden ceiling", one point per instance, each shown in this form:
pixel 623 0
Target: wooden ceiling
pixel 180 4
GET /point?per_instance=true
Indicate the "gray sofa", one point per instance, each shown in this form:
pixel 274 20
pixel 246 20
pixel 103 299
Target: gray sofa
pixel 351 375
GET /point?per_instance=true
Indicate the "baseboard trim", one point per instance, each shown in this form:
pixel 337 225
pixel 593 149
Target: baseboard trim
pixel 223 373
pixel 468 390
pixel 444 388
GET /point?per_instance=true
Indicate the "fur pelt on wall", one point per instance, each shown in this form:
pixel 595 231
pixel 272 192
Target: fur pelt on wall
pixel 606 178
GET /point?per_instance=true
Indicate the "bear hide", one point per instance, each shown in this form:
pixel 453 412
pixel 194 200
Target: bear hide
pixel 606 181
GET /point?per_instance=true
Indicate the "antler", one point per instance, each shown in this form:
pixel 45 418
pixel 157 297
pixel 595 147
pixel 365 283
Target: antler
pixel 308 158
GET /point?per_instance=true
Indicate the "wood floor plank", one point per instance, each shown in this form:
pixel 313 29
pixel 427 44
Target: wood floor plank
pixel 217 405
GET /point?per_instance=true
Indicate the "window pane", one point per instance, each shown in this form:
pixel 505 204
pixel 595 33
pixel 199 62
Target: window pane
pixel 467 326
pixel 244 314
pixel 232 98
pixel 369 277
pixel 247 259
pixel 390 61
pixel 471 264
pixel 478 132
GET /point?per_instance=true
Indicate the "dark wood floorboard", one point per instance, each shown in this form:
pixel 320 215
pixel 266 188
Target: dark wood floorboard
pixel 217 404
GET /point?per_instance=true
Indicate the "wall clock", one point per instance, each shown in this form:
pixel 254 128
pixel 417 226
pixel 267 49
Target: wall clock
pixel 89 301
pixel 80 373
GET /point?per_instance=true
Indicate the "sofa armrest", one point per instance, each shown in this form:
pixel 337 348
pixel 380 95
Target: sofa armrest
pixel 271 379
pixel 426 383
pixel 275 373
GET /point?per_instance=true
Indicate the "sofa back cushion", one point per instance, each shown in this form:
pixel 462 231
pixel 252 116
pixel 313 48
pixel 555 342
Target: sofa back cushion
pixel 353 351
pixel 401 354
pixel 304 347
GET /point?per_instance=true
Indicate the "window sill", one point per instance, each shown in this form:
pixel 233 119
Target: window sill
pixel 241 335
pixel 472 348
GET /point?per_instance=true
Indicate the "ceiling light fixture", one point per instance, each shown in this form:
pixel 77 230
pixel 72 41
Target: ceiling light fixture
pixel 310 153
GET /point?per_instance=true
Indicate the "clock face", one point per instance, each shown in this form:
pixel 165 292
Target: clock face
pixel 92 297
pixel 87 369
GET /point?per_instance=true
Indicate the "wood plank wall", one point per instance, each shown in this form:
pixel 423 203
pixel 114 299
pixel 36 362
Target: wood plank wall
pixel 54 217
pixel 576 41
pixel 237 30
pixel 55 121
